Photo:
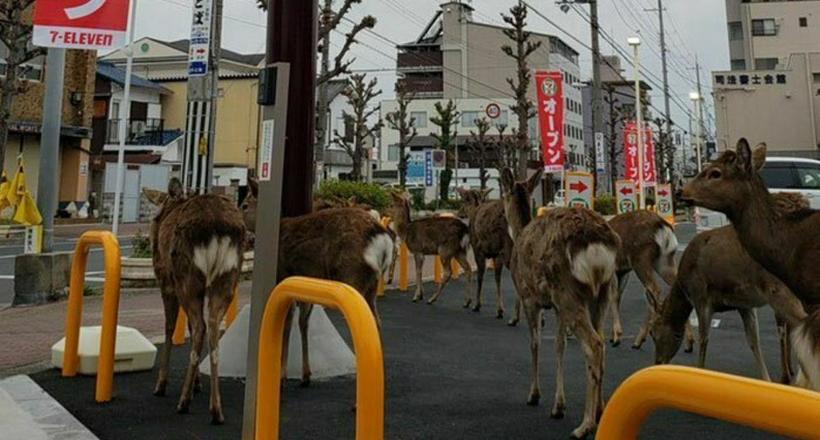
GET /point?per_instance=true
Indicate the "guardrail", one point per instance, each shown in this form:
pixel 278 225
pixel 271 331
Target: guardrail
pixel 110 310
pixel 775 408
pixel 366 344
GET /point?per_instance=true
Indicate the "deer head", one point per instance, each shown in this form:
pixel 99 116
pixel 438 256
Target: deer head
pixel 161 199
pixel 473 198
pixel 728 183
pixel 248 206
pixel 667 340
pixel 517 199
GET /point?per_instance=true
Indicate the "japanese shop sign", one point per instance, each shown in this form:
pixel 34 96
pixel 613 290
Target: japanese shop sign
pixel 663 201
pixel 626 196
pixel 80 24
pixel 551 118
pixel 200 47
pixel 750 79
pixel 631 154
pixel 580 190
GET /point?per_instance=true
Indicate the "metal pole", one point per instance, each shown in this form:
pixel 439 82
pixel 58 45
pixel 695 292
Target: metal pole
pixel 700 110
pixel 216 47
pixel 668 112
pixel 639 114
pixel 48 180
pixel 125 113
pixel 597 95
pixel 698 137
pixel 455 136
pixel 322 127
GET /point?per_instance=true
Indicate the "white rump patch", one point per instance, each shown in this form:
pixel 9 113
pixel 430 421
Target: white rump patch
pixel 219 257
pixel 375 214
pixel 465 242
pixel 594 265
pixel 379 253
pixel 809 375
pixel 666 240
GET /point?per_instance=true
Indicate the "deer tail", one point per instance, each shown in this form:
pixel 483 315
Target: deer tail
pixel 594 265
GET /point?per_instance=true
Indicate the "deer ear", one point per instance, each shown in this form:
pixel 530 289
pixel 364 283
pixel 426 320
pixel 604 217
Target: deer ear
pixel 759 156
pixel 463 192
pixel 534 180
pixel 507 180
pixel 157 198
pixel 253 185
pixel 486 193
pixel 175 189
pixel 744 155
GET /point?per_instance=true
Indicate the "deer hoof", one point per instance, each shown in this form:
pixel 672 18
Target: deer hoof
pixel 557 412
pixel 183 407
pixel 533 400
pixel 431 301
pixel 468 303
pixel 159 390
pixel 617 343
pixel 305 382
pixel 581 433
pixel 636 346
pixel 216 417
pixel 477 308
pixel 512 323
pixel 499 314
pixel 688 349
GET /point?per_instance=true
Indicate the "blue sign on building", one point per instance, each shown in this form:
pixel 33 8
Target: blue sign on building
pixel 197 68
pixel 415 168
pixel 428 168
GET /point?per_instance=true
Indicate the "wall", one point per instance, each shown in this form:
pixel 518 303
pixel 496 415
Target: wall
pixel 74 173
pixel 790 38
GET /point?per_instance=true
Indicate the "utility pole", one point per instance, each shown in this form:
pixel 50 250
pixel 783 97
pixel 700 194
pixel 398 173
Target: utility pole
pixel 322 107
pixel 701 101
pixel 49 178
pixel 667 144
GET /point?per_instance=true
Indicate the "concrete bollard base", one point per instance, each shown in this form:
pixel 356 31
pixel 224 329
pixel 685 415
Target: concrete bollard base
pixel 41 278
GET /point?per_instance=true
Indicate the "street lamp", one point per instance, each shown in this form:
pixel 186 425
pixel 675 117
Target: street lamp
pixel 695 97
pixel 635 42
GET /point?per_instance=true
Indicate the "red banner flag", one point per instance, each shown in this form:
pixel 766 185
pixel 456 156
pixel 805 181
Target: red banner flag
pixel 551 119
pixel 650 176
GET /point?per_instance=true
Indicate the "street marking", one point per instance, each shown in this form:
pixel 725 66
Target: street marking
pixel 8 257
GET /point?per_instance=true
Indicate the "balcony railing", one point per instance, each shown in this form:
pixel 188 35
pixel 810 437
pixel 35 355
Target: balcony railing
pixel 147 131
pixel 420 61
pixel 423 85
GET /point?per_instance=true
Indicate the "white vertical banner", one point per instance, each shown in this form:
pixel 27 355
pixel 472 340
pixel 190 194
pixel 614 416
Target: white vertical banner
pixel 200 46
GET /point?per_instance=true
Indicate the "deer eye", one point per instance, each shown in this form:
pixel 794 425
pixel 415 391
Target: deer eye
pixel 714 174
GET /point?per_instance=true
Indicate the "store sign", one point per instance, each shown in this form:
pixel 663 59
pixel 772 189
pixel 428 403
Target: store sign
pixel 551 119
pixel 751 79
pixel 80 24
pixel 200 46
pixel 626 196
pixel 428 168
pixel 580 190
pixel 415 168
pixel 664 202
pixel 631 155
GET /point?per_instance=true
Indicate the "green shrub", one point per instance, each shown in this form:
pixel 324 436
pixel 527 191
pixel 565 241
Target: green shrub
pixel 417 195
pixel 606 205
pixel 142 246
pixel 365 193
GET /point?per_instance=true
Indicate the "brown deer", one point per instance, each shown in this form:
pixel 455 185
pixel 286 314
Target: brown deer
pixel 787 245
pixel 648 246
pixel 338 244
pixel 446 237
pixel 489 239
pixel 197 244
pixel 717 275
pixel 565 260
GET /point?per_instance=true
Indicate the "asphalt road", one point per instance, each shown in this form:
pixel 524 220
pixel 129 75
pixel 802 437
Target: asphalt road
pixel 450 373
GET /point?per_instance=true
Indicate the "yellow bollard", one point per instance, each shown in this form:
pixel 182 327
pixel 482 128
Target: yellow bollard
pixel 404 268
pixel 366 344
pixel 181 327
pixel 455 268
pixel 775 408
pixel 233 309
pixel 111 302
pixel 542 211
pixel 437 269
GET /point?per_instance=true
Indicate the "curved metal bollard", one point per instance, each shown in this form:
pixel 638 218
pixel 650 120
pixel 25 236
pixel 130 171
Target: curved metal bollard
pixel 111 302
pixel 366 344
pixel 542 211
pixel 775 408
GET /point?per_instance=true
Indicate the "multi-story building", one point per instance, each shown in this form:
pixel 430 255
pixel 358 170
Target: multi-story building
pixel 457 58
pixel 772 93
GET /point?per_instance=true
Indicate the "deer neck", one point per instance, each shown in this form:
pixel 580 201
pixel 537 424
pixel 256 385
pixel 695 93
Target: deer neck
pixel 520 216
pixel 757 222
pixel 402 221
pixel 676 309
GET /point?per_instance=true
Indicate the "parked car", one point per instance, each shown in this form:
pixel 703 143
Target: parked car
pixel 781 174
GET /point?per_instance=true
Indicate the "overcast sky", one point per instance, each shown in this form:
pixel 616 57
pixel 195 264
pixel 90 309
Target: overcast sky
pixel 693 27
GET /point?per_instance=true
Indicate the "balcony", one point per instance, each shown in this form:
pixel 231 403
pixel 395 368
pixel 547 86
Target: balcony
pixel 424 86
pixel 147 132
pixel 420 61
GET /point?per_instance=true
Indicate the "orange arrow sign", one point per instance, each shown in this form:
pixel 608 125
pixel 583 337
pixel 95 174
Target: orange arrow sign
pixel 578 187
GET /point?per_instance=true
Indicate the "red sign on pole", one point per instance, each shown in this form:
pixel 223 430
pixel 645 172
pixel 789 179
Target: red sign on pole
pixel 631 155
pixel 80 24
pixel 551 118
pixel 650 175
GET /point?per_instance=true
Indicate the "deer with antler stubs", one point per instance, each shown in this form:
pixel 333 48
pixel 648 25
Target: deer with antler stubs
pixel 565 260
pixel 197 251
pixel 446 237
pixel 648 248
pixel 787 245
pixel 489 239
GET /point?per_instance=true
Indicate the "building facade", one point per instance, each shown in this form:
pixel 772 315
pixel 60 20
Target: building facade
pixel 772 93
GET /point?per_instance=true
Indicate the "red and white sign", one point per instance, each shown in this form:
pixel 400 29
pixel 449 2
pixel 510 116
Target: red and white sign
pixel 80 24
pixel 550 86
pixel 663 202
pixel 626 196
pixel 631 150
pixel 580 190
pixel 266 150
pixel 493 111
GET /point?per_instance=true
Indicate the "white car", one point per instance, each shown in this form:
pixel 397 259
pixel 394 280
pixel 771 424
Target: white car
pixel 781 174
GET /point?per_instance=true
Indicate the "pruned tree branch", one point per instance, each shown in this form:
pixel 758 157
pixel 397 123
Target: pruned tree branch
pixel 359 96
pixel 401 121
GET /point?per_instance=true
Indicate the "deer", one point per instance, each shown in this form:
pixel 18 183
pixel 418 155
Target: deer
pixel 197 243
pixel 785 244
pixel 347 245
pixel 717 275
pixel 446 237
pixel 648 247
pixel 565 260
pixel 489 240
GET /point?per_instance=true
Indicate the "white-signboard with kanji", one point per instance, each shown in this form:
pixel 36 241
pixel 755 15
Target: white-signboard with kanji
pixel 200 47
pixel 580 190
pixel 626 196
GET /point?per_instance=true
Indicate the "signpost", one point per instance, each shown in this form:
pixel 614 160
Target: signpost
pixel 626 196
pixel 580 190
pixel 664 202
pixel 551 119
pixel 493 111
pixel 428 168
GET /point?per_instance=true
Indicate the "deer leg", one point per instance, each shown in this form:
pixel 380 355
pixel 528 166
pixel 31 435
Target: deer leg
pixel 304 319
pixel 286 342
pixel 465 266
pixel 560 403
pixel 419 259
pixel 217 307
pixel 481 268
pixel 197 378
pixel 704 324
pixel 197 320
pixel 615 305
pixel 653 293
pixel 783 331
pixel 171 305
pixel 689 338
pixel 593 346
pixel 448 273
pixel 391 273
pixel 519 306
pixel 533 312
pixel 498 271
pixel 750 326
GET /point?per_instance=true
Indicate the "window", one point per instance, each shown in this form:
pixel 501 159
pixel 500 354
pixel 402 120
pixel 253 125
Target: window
pixel 735 31
pixel 804 22
pixel 809 176
pixel 738 64
pixel 765 63
pixel 764 28
pixel 393 153
pixel 502 119
pixel 115 110
pixel 468 119
pixel 780 176
pixel 31 73
pixel 421 119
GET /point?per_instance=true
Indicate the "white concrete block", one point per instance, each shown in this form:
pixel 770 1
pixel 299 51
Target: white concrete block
pixel 133 351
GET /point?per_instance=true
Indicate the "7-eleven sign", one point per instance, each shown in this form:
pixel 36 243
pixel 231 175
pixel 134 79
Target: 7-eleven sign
pixel 580 190
pixel 80 24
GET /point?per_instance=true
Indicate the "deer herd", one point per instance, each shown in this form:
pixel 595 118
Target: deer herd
pixel 570 260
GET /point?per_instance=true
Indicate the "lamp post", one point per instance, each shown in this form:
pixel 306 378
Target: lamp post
pixel 695 97
pixel 635 42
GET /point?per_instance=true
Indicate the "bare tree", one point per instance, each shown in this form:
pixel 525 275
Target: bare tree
pixel 520 51
pixel 359 96
pixel 481 144
pixel 401 121
pixel 15 34
pixel 662 148
pixel 446 119
pixel 615 123
pixel 505 150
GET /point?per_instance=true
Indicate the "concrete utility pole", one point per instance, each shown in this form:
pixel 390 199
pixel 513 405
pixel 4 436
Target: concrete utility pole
pixel 701 101
pixel 49 177
pixel 635 42
pixel 667 111
pixel 321 117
